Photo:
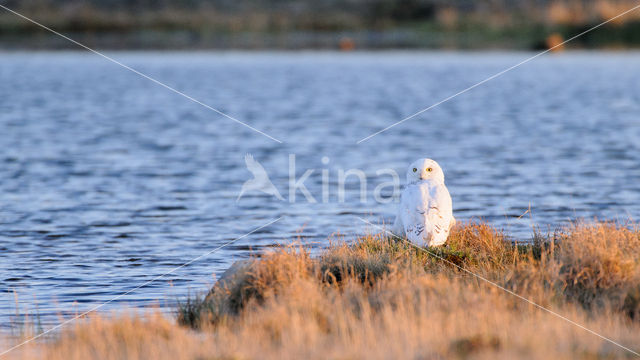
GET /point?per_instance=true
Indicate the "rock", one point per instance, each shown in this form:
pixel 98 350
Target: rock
pixel 235 273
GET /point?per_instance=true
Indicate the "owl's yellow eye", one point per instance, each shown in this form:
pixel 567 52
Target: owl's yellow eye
pixel 414 169
pixel 429 169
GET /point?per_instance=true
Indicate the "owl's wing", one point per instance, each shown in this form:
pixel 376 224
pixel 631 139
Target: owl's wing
pixel 397 229
pixel 413 214
pixel 440 214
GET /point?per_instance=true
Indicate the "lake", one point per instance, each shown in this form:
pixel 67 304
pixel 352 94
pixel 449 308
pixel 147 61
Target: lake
pixel 108 180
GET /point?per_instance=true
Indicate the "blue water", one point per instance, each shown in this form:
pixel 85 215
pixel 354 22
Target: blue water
pixel 108 180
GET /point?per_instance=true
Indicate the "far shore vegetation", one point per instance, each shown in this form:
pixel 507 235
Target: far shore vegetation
pixel 312 24
pixel 376 297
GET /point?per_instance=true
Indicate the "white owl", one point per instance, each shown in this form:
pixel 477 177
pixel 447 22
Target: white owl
pixel 424 215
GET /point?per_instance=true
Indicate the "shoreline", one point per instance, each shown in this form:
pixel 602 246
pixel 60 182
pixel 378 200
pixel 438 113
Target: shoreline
pixel 418 37
pixel 381 298
pixel 310 51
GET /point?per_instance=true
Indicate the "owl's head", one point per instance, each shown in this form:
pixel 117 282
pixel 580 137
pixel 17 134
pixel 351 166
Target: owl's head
pixel 425 169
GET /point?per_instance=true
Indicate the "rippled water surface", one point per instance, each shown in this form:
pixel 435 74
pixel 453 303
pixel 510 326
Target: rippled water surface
pixel 108 180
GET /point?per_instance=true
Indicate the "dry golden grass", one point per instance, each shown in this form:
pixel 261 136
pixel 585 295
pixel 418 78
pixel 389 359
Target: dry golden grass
pixel 379 298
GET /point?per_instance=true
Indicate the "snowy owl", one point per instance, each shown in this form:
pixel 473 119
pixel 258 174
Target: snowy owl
pixel 424 215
